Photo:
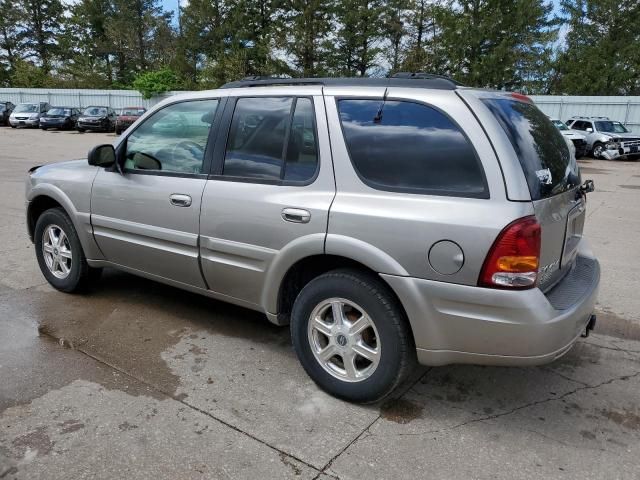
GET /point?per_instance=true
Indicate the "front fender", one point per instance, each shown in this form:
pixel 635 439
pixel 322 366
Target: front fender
pixel 81 220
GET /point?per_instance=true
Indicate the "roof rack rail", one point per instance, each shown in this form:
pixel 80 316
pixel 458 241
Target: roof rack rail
pixel 424 76
pixel 590 117
pixel 417 81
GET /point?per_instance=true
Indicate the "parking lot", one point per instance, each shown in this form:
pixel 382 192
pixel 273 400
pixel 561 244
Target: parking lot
pixel 140 380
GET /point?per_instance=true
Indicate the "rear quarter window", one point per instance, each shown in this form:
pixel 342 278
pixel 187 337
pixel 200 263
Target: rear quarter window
pixel 410 147
pixel 542 151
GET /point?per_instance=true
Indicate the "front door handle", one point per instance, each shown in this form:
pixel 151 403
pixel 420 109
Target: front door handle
pixel 296 215
pixel 180 200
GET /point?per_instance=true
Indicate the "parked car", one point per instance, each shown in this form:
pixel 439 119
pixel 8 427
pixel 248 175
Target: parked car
pixel 97 118
pixel 5 111
pixel 606 138
pixel 386 220
pixel 576 137
pixel 28 114
pixel 127 116
pixel 64 118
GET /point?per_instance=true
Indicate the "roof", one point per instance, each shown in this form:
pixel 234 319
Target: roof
pixel 403 79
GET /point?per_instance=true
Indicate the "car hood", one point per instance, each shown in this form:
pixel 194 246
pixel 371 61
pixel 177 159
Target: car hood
pixel 623 136
pixel 66 166
pixel 573 134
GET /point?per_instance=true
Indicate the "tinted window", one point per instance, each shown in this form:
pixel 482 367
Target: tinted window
pixel 266 131
pixel 541 149
pixel 410 147
pixel 302 155
pixel 173 139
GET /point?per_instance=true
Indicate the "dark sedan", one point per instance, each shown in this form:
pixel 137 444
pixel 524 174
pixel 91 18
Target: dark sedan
pixel 97 118
pixel 127 116
pixel 63 118
pixel 5 111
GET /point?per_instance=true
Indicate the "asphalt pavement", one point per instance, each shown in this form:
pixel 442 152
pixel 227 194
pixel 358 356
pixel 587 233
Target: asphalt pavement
pixel 140 380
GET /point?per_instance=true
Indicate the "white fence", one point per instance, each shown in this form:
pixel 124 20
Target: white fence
pixel 624 109
pixel 79 97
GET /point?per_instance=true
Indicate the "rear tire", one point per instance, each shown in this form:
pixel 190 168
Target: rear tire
pixel 371 321
pixel 59 252
pixel 80 130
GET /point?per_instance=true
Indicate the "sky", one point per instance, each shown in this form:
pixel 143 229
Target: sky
pixel 173 4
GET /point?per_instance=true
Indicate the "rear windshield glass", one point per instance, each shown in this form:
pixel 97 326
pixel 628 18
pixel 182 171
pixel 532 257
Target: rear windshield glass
pixel 132 112
pixel 544 155
pixel 59 111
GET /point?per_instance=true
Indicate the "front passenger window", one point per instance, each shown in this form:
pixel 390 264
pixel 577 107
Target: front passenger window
pixel 173 139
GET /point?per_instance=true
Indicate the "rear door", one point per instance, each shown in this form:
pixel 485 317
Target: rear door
pixel 552 176
pixel 270 191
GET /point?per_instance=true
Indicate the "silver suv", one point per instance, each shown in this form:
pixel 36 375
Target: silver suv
pixel 385 220
pixel 606 138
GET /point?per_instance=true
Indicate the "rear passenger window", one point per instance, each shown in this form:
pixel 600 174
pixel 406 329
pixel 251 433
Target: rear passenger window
pixel 410 147
pixel 272 139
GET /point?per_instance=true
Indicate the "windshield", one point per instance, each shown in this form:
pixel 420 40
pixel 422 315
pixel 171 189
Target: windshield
pixel 542 151
pixel 132 112
pixel 59 111
pixel 95 111
pixel 27 108
pixel 560 125
pixel 612 127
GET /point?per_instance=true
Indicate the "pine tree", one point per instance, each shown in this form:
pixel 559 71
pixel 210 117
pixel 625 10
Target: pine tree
pixel 304 32
pixel 10 16
pixel 42 20
pixel 356 46
pixel 497 43
pixel 602 54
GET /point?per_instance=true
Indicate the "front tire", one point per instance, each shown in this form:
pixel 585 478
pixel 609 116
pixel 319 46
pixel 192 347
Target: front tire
pixel 598 148
pixel 59 252
pixel 351 336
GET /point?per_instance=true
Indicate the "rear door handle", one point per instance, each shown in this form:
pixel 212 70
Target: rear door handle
pixel 296 215
pixel 180 200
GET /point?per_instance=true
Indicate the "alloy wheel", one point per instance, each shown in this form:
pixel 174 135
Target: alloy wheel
pixel 56 250
pixel 344 340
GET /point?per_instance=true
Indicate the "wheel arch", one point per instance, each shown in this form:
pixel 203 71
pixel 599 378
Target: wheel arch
pixel 45 196
pixel 306 269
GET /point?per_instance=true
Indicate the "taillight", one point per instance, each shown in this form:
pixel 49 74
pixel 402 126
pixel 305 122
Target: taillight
pixel 513 260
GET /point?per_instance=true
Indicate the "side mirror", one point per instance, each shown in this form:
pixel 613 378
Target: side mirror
pixel 142 161
pixel 589 129
pixel 102 156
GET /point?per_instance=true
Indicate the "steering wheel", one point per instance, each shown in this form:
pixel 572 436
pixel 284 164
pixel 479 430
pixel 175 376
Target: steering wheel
pixel 188 145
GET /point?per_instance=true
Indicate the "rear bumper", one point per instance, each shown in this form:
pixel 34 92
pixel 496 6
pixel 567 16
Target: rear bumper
pixel 466 324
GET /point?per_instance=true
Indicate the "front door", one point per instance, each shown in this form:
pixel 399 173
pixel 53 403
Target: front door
pixel 270 192
pixel 147 218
